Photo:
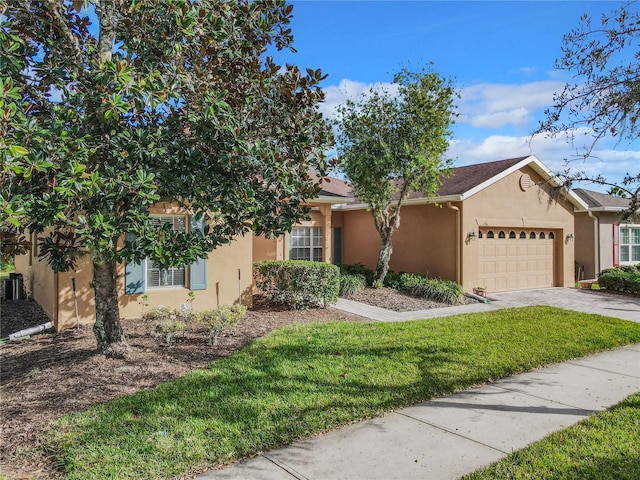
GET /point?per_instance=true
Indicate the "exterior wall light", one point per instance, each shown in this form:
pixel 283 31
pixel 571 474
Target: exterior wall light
pixel 472 235
pixel 570 237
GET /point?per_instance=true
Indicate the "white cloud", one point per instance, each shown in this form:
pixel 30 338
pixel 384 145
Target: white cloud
pixel 496 105
pixel 517 116
pixel 349 90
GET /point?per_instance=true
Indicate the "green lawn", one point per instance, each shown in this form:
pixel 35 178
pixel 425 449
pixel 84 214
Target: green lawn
pixel 306 379
pixel 605 446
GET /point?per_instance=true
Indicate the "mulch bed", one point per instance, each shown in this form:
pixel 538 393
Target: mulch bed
pixel 397 301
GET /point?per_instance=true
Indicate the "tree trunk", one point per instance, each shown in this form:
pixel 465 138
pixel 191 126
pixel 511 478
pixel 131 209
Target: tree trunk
pixel 383 258
pixel 107 329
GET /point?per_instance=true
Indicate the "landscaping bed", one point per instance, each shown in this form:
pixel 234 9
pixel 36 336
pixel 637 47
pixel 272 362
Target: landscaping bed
pixel 397 301
pixel 53 374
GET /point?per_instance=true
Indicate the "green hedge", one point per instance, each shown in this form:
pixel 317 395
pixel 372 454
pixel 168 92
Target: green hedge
pixel 297 284
pixel 625 279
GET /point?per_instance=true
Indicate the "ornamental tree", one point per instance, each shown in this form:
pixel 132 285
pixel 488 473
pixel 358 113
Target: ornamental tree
pixel 107 107
pixel 393 144
pixel 604 98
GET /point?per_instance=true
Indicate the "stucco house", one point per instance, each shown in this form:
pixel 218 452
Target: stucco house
pixel 496 225
pixel 603 239
pixel 224 278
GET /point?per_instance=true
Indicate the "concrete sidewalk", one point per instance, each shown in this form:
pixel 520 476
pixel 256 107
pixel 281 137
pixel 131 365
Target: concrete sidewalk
pixel 454 435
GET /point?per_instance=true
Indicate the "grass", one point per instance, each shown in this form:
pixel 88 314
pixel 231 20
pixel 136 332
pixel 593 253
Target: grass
pixel 604 446
pixel 307 379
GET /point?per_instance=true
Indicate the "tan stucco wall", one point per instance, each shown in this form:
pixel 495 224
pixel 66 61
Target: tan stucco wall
pixel 39 279
pixel 505 204
pixel 585 248
pixel 424 243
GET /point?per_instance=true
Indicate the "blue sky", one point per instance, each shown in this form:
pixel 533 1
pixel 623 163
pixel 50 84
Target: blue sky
pixel 501 55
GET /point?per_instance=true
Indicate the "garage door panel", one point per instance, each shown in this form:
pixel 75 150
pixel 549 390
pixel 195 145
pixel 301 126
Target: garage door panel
pixel 516 263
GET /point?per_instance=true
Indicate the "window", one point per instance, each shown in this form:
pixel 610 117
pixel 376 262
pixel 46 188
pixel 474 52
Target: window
pixel 171 277
pixel 532 235
pixel 542 236
pixel 501 234
pixel 551 236
pixel 143 276
pixel 512 234
pixel 523 235
pixel 490 234
pixel 306 244
pixel 629 244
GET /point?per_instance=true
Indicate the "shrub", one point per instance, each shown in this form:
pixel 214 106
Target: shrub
pixel 350 284
pixel 620 280
pixel 164 322
pixel 298 284
pixel 410 280
pixel 223 318
pixel 392 280
pixel 438 290
pixel 358 269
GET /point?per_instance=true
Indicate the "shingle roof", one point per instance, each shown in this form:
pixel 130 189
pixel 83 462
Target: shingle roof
pixel 468 177
pixel 461 180
pixel 602 200
pixel 335 187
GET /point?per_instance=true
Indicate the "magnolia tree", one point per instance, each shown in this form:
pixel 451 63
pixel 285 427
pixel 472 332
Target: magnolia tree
pixel 107 107
pixel 604 99
pixel 393 144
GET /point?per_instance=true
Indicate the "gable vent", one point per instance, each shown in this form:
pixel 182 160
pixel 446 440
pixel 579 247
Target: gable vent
pixel 525 182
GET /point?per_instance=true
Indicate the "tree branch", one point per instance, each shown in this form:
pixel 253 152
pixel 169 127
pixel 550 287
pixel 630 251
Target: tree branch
pixel 106 12
pixel 71 42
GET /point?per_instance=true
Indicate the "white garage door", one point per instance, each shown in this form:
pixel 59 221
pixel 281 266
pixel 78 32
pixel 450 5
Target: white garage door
pixel 516 259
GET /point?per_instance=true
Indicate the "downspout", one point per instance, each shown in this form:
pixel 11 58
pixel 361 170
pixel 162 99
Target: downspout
pixel 458 242
pixel 596 243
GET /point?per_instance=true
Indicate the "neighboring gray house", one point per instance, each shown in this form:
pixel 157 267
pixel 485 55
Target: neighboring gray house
pixel 602 239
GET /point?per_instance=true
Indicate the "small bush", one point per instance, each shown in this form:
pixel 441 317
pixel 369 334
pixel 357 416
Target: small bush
pixel 164 322
pixel 620 280
pixel 409 280
pixel 350 284
pixel 223 318
pixel 392 280
pixel 358 269
pixel 298 284
pixel 438 290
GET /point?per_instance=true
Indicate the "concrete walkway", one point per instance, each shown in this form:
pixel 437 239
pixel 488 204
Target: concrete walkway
pixel 450 436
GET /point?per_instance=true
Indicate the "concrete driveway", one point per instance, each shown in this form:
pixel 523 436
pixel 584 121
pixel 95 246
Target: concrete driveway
pixel 580 300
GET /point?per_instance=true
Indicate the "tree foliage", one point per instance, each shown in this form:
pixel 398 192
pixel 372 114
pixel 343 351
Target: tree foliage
pixel 393 144
pixel 604 99
pixel 108 107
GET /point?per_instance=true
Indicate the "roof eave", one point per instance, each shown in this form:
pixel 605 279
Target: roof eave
pixel 412 201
